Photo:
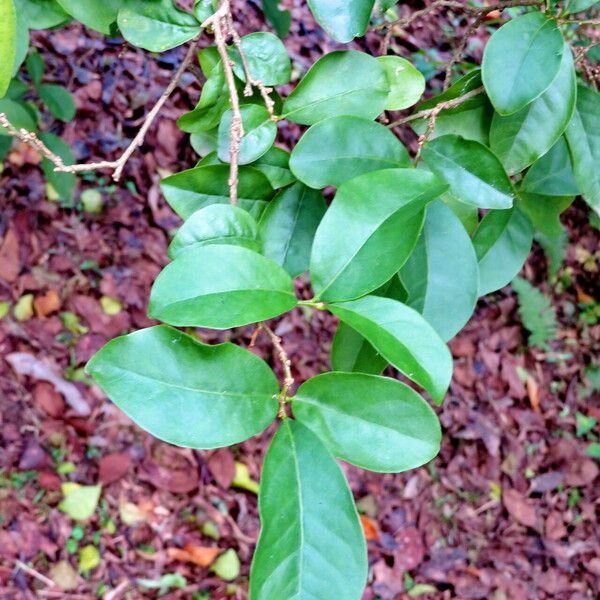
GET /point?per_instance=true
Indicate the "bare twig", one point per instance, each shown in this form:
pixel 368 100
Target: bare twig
pixel 427 113
pixel 35 574
pixel 118 165
pixel 286 365
pixel 460 49
pixel 220 23
pixel 430 127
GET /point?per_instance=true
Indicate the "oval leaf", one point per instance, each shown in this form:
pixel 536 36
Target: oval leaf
pixel 443 286
pixel 216 224
pixel 157 26
pixel 341 148
pixel 275 165
pixel 58 100
pixel 303 494
pixel 220 287
pixel 343 20
pixel 475 175
pixel 369 231
pixel 191 190
pixel 259 134
pixel 521 138
pixel 406 82
pixel 288 227
pixel 375 423
pixel 340 83
pixel 184 392
pixel 584 145
pixel 350 352
pixel 98 15
pixel 402 336
pixel 521 60
pixel 8 35
pixel 502 242
pixel 267 58
pixel 40 14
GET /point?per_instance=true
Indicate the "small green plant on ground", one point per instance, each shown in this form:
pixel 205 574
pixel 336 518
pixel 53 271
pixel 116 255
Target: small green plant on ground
pixel 400 255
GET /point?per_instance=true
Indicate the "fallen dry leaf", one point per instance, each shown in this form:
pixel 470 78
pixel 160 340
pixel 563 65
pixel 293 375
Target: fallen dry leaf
pixel 203 556
pixel 113 466
pixel 370 529
pixel 47 304
pixel 10 263
pixel 519 508
pixel 222 467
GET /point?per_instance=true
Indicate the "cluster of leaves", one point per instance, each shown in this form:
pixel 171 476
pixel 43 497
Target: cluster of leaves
pixel 400 255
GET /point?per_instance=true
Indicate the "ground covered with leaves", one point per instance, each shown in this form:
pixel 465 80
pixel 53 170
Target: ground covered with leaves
pixel 508 510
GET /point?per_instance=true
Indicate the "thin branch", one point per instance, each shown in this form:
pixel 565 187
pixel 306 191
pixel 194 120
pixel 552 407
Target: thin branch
pixel 19 565
pixel 460 49
pixel 427 113
pixel 118 165
pixel 430 127
pixel 286 365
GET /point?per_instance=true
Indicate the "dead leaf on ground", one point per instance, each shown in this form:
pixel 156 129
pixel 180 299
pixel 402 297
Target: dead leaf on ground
pixel 203 556
pixel 113 466
pixel 47 304
pixel 370 529
pixel 222 467
pixel 10 263
pixel 519 508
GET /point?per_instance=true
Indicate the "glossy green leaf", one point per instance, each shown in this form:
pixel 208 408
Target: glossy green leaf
pixel 63 183
pixel 275 164
pixel 216 224
pixel 406 82
pixel 21 44
pixel 184 392
pixel 575 6
pixel 98 15
pixel 267 59
pixel 259 134
pixel 340 83
pixel 288 226
pixel 191 190
pixel 402 336
pixel 280 19
pixel 204 142
pixel 311 542
pixel 203 9
pixel 475 175
pixel 18 114
pixel 552 174
pixel 544 212
pixel 343 20
pixel 220 287
pixel 350 352
pixel 442 285
pixel 35 67
pixel 341 148
pixel 40 14
pixel 375 423
pixel 8 34
pixel 502 242
pixel 521 138
pixel 156 26
pixel 583 139
pixel 357 246
pixel 467 213
pixel 58 100
pixel 521 60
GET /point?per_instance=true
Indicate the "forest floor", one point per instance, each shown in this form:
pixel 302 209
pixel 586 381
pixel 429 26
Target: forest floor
pixel 507 511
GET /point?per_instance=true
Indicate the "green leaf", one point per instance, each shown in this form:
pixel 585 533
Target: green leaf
pixel 80 501
pixel 339 83
pixel 156 26
pixel 303 494
pixel 537 314
pixel 267 59
pixel 521 60
pixel 544 211
pixel 203 9
pixel 357 247
pixel 502 242
pixel 402 336
pixel 341 148
pixel 281 20
pixel 343 20
pixel 98 15
pixel 58 100
pixel 41 14
pixel 21 44
pixel 8 36
pixel 216 224
pixel 89 558
pixel 575 6
pixel 164 583
pixel 406 83
pixel 288 226
pixel 584 145
pixel 35 67
pixel 474 173
pixel 63 183
pixel 552 174
pixel 227 566
pixel 259 134
pixel 521 138
pixel 234 286
pixel 467 213
pixel 275 164
pixel 375 423
pixel 184 392
pixel 443 286
pixel 191 190
pixel 18 114
pixel 350 352
pixel 204 142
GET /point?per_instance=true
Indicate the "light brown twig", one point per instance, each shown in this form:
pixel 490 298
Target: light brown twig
pixel 118 165
pixel 427 113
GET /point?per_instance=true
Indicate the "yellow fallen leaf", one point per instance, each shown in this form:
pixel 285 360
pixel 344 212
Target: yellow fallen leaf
pixel 227 566
pixel 23 309
pixel 243 480
pixel 89 558
pixel 64 576
pixel 80 502
pixel 110 306
pixel 4 308
pixel 131 514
